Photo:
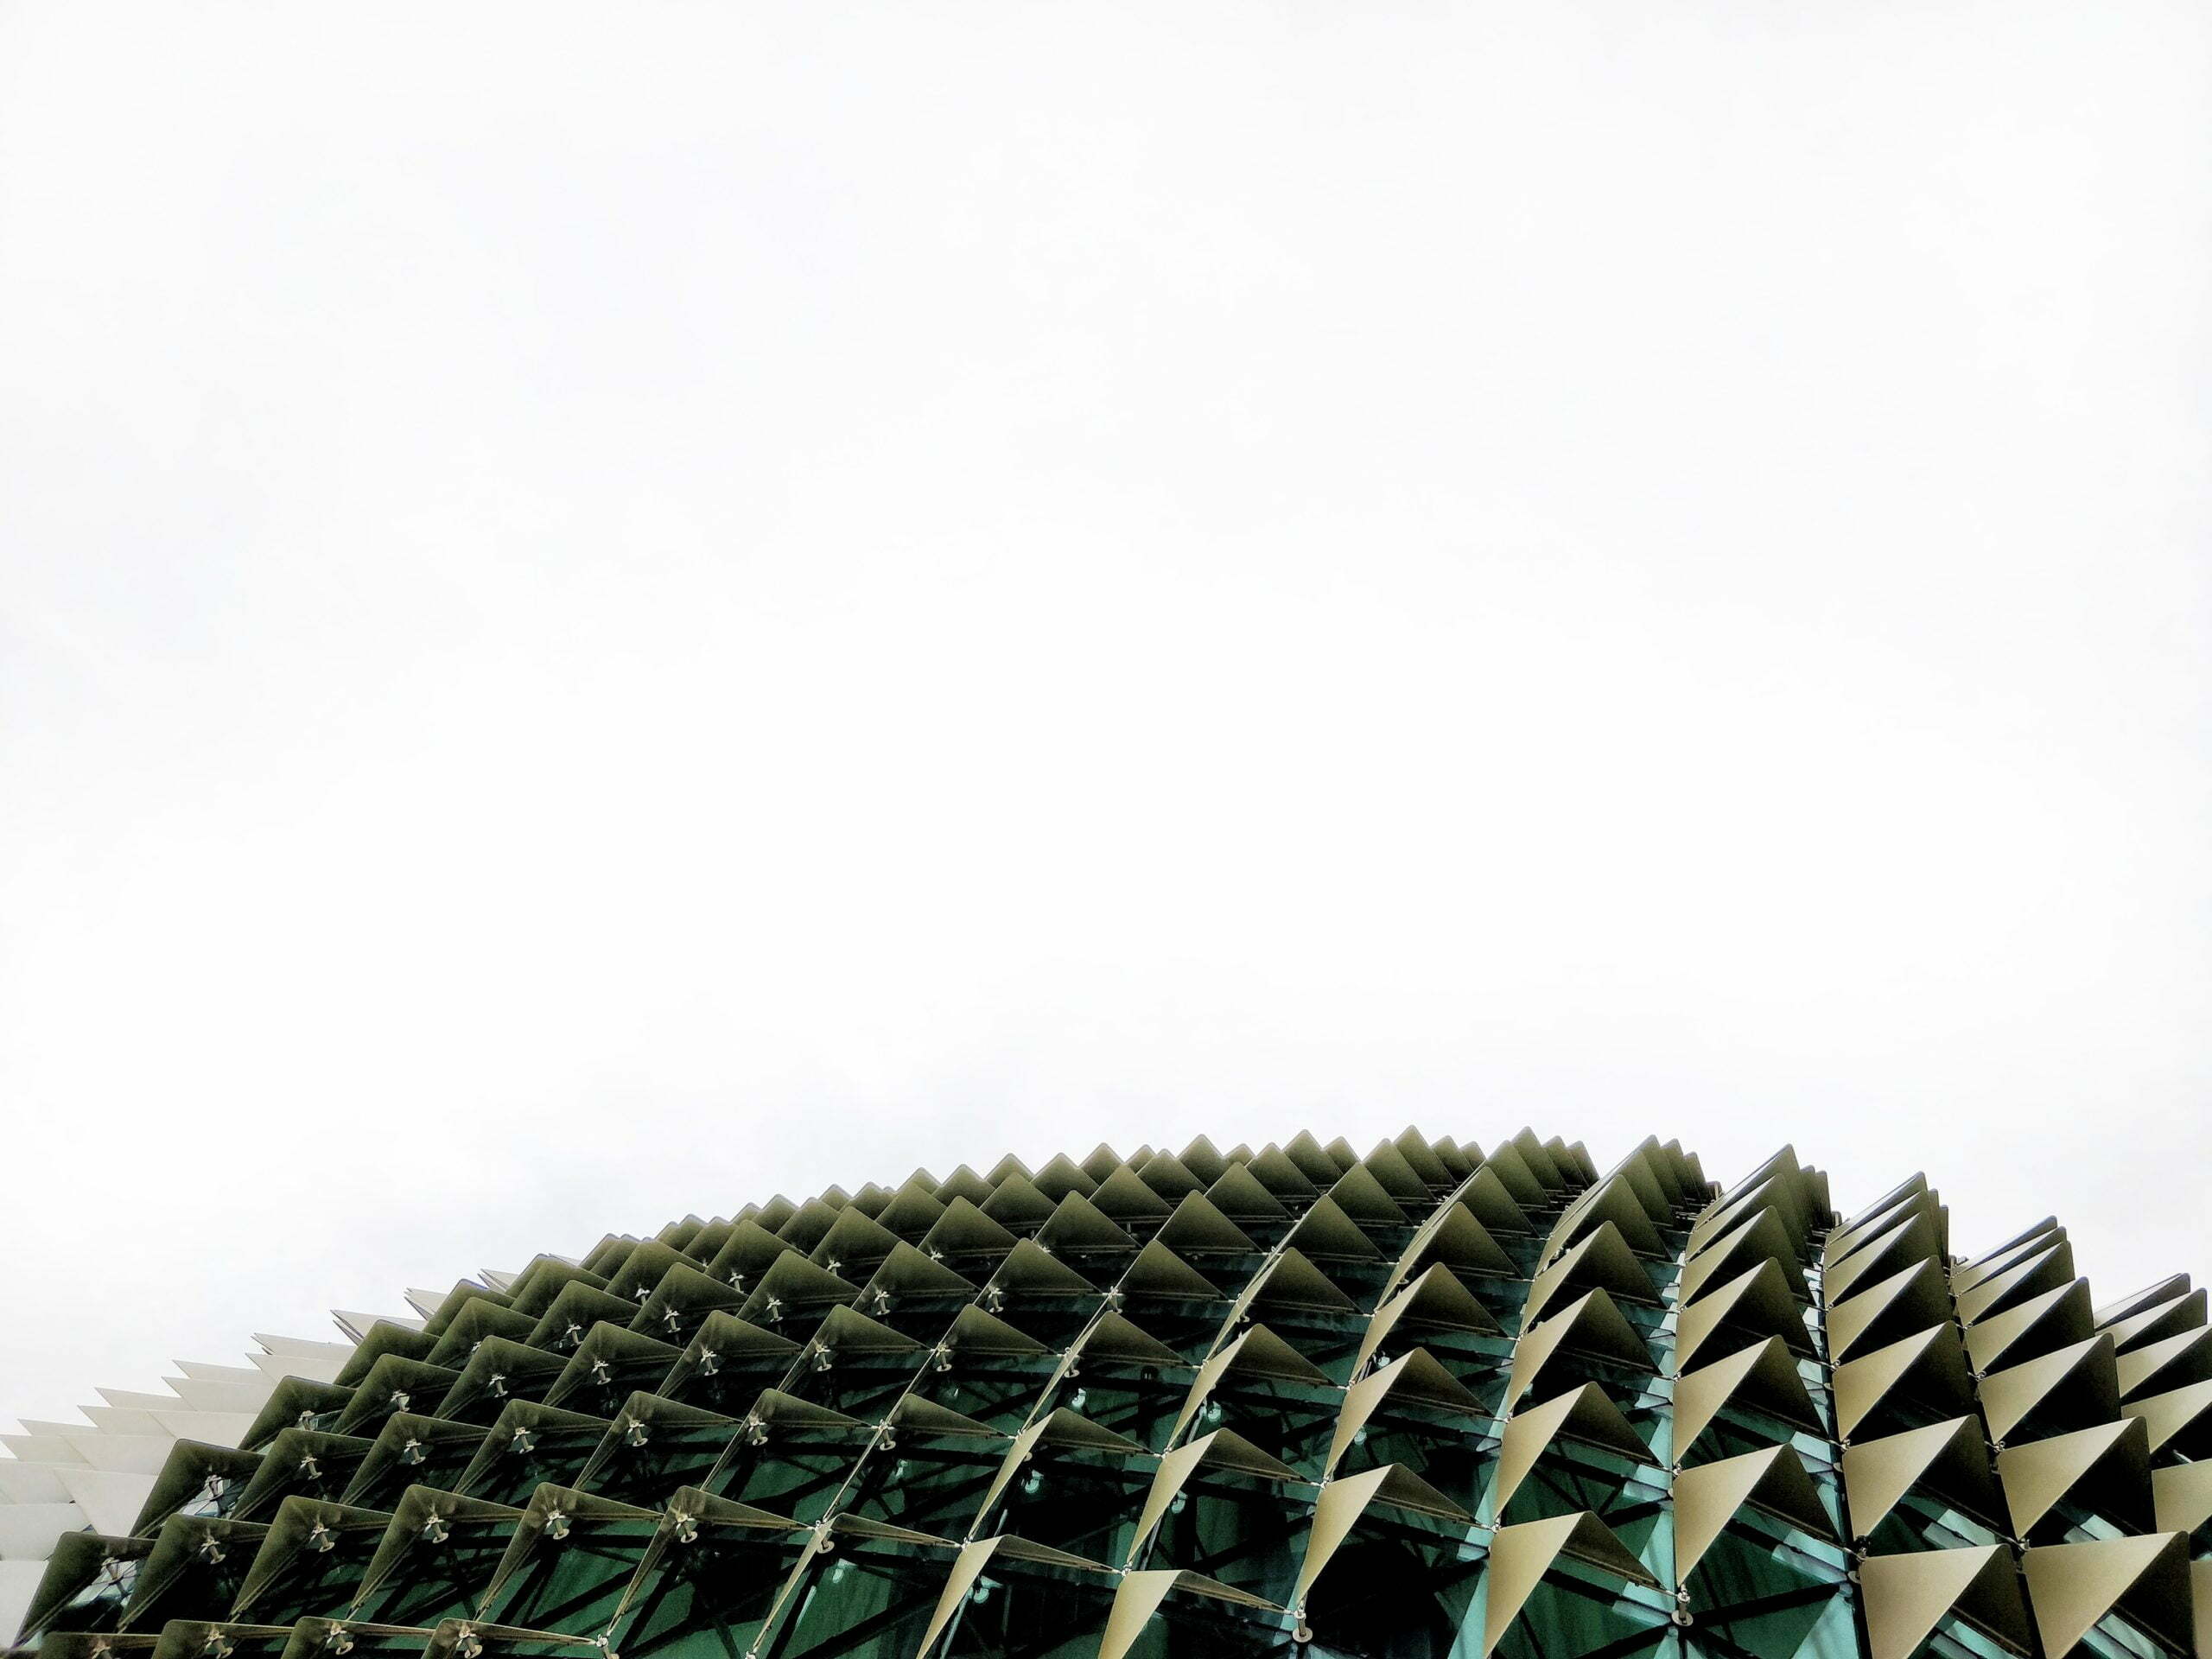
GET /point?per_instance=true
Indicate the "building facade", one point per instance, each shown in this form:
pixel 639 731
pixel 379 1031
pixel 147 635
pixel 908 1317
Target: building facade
pixel 1420 1401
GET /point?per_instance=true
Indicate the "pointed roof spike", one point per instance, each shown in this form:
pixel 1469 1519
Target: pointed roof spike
pixel 1762 1235
pixel 1586 1415
pixel 1122 1194
pixel 1488 1199
pixel 1764 1376
pixel 1164 1173
pixel 1907 1596
pixel 1414 1377
pixel 1198 1225
pixel 1642 1178
pixel 2085 1372
pixel 2157 1367
pixel 1904 1191
pixel 1454 1238
pixel 1028 1267
pixel 1282 1175
pixel 1913 1236
pixel 1612 1199
pixel 1113 1337
pixel 1756 1302
pixel 1341 1503
pixel 1708 1496
pixel 1601 1261
pixel 964 1183
pixel 1076 1224
pixel 1422 1158
pixel 2113 1457
pixel 1325 1230
pixel 1101 1162
pixel 1950 1458
pixel 2141 1302
pixel 1435 1300
pixel 1239 1195
pixel 1591 1325
pixel 1201 1159
pixel 1396 1175
pixel 1974 1266
pixel 1362 1198
pixel 1458 1163
pixel 2168 1319
pixel 1061 1175
pixel 1930 1366
pixel 1257 1352
pixel 913 1210
pixel 2046 1270
pixel 2036 1327
pixel 2071 1587
pixel 1520 1555
pixel 1303 1150
pixel 975 1332
pixel 1912 1299
pixel 907 1271
pixel 1138 1596
pixel 1223 1449
pixel 2168 1415
pixel 1511 1168
pixel 1158 1271
pixel 964 1229
pixel 1290 1281
pixel 2181 1495
pixel 1017 1202
pixel 1538 1158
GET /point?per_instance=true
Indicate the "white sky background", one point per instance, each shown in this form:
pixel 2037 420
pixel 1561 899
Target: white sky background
pixel 605 611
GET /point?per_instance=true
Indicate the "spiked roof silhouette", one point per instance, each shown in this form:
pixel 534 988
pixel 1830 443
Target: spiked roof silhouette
pixel 1428 1400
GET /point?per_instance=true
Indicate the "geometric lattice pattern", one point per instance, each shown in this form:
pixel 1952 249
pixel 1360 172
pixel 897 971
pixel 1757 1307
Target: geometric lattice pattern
pixel 1428 1401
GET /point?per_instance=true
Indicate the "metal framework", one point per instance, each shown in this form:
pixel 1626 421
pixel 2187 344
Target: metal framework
pixel 1428 1400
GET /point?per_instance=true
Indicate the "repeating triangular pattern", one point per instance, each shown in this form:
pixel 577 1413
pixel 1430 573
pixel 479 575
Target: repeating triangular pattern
pixel 1425 1401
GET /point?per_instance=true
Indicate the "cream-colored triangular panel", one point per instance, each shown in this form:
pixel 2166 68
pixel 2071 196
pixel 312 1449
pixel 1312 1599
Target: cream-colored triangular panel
pixel 1586 1415
pixel 1930 1366
pixel 1763 1376
pixel 2009 1396
pixel 2071 1587
pixel 1708 1498
pixel 1951 1458
pixel 1520 1555
pixel 1907 1596
pixel 2182 1497
pixel 2114 1459
pixel 1591 1325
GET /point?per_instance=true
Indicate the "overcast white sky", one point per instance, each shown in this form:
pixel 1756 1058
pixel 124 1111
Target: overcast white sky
pixel 608 610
